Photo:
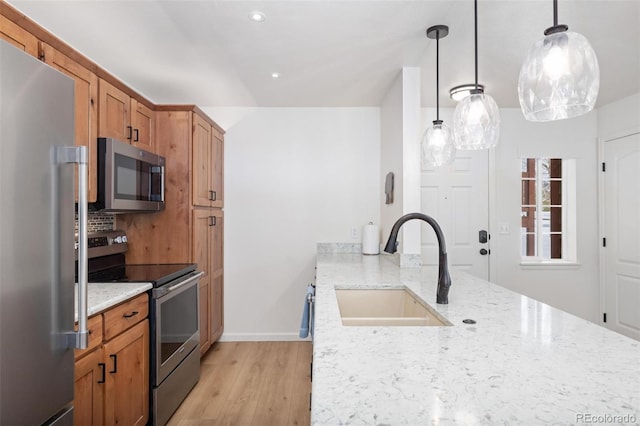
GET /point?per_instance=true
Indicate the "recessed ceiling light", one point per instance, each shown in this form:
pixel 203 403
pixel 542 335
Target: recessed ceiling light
pixel 458 93
pixel 275 75
pixel 257 16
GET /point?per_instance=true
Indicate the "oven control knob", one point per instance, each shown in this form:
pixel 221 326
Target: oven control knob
pixel 117 240
pixel 124 238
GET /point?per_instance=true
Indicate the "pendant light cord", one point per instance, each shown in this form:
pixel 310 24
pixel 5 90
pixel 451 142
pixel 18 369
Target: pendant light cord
pixel 437 76
pixel 555 13
pixel 475 23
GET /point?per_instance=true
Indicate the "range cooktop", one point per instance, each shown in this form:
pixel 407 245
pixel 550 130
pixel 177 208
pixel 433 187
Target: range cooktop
pixel 156 274
pixel 107 263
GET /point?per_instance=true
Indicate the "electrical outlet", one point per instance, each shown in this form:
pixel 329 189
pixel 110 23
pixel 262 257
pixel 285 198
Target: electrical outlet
pixel 354 233
pixel 504 228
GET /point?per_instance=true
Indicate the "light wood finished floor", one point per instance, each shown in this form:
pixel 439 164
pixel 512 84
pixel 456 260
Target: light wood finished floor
pixel 250 383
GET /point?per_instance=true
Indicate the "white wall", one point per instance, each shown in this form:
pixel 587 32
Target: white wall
pixel 400 154
pixel 573 288
pixel 293 177
pixel 619 118
pixel 391 155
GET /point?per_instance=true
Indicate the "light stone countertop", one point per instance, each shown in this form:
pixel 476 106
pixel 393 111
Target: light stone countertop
pixel 102 296
pixel 522 363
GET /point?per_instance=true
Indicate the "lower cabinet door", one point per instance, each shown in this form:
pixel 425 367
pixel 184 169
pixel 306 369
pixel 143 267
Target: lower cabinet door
pixel 89 390
pixel 127 381
pixel 205 325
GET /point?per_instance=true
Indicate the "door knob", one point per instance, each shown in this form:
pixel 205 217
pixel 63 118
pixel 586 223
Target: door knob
pixel 484 252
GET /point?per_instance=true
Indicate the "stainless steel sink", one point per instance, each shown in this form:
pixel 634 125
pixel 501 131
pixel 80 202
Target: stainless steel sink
pixel 386 307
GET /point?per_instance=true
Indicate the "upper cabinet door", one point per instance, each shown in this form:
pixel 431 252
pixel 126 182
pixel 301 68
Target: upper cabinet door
pixel 217 175
pixel 18 36
pixel 86 111
pixel 114 116
pixel 143 123
pixel 201 162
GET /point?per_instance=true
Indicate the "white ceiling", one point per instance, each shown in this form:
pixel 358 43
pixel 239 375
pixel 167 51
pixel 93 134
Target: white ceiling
pixel 330 53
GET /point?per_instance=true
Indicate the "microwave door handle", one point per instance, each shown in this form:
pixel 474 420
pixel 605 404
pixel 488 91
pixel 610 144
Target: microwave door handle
pixel 162 183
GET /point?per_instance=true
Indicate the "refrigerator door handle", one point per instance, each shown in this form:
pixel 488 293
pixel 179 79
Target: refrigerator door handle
pixel 79 155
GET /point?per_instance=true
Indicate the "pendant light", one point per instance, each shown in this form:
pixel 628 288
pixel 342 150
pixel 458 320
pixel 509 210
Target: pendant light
pixel 438 148
pixel 560 77
pixel 476 120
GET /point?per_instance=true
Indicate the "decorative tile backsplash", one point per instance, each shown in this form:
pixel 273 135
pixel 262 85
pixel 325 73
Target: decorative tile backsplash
pixel 99 222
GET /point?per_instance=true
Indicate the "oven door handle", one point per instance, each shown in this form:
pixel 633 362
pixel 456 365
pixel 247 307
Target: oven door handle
pixel 186 282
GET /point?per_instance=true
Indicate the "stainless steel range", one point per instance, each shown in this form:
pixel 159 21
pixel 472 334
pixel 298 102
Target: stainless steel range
pixel 175 336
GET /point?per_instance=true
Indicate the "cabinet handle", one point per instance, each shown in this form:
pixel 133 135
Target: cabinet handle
pixel 132 314
pixel 137 136
pixel 213 196
pixel 115 363
pixel 212 221
pixel 103 367
pixel 210 195
pixel 130 129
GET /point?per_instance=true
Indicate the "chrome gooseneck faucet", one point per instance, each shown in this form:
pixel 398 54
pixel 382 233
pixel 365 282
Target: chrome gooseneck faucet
pixel 444 280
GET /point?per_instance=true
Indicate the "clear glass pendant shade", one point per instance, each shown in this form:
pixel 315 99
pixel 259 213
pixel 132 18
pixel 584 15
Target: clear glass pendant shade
pixel 560 78
pixel 438 148
pixel 476 122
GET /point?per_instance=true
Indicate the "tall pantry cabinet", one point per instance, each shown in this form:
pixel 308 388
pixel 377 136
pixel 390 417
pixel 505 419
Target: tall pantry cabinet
pixel 190 229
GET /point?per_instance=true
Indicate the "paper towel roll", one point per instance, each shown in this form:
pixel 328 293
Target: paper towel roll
pixel 370 239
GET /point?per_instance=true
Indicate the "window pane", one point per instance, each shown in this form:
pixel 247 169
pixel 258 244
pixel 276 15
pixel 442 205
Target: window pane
pixel 528 219
pixel 555 192
pixel 546 193
pixel 545 216
pixel 555 219
pixel 555 168
pixel 529 192
pixel 528 244
pixel 546 246
pixel 528 167
pixel 544 168
pixel 556 246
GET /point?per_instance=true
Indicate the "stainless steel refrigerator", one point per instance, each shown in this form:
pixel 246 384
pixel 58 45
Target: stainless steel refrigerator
pixel 37 157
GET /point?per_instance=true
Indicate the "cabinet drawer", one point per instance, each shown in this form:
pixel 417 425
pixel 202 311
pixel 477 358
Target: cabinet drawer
pixel 94 324
pixel 124 316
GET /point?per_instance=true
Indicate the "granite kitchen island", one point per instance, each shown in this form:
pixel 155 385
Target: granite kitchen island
pixel 522 362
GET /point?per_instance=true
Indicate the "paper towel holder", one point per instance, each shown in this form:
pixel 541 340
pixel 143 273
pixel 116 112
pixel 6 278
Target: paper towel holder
pixel 370 239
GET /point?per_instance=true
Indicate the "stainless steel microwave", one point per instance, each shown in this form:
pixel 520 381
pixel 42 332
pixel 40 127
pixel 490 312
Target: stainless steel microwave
pixel 129 179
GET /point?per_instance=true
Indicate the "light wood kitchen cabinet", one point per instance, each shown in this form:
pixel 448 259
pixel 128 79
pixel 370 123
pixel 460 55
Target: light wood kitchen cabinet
pixel 18 36
pixel 125 118
pixel 127 384
pixel 112 375
pixel 85 107
pixel 187 136
pixel 88 401
pixel 216 268
pixel 208 167
pixel 204 314
pixel 208 253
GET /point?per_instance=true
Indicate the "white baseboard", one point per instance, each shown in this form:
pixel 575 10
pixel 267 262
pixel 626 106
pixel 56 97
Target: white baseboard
pixel 261 337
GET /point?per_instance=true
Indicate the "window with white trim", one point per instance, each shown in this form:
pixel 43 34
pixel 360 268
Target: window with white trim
pixel 548 209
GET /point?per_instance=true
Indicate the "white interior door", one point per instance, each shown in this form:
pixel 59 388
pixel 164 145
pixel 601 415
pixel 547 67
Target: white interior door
pixel 457 197
pixel 622 233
